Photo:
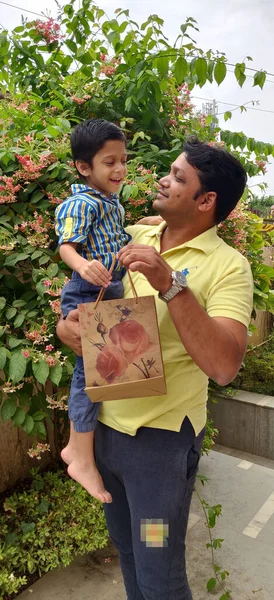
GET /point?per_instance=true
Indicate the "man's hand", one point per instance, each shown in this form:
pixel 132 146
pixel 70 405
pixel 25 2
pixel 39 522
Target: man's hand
pixel 94 272
pixel 68 331
pixel 148 261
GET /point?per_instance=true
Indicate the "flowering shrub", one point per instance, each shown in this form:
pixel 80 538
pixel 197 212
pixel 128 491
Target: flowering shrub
pixel 44 526
pixel 127 74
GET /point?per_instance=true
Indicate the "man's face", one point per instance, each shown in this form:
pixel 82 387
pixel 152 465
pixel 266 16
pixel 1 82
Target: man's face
pixel 109 168
pixel 178 191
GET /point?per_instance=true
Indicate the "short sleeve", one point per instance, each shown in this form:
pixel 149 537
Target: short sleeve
pixel 73 221
pixel 232 296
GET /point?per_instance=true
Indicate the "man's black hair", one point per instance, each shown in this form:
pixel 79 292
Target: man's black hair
pixel 218 171
pixel 88 137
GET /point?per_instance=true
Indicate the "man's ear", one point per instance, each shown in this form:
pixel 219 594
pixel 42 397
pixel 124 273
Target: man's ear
pixel 83 167
pixel 208 201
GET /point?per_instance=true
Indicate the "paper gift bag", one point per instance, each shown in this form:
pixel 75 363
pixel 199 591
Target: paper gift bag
pixel 121 349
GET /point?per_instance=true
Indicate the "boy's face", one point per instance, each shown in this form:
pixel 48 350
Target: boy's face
pixel 109 168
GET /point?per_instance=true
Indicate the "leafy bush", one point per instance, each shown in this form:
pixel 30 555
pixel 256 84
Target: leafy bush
pixel 256 374
pixel 45 525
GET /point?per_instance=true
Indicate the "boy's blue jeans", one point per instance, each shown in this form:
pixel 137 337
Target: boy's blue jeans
pixel 150 477
pixel 82 412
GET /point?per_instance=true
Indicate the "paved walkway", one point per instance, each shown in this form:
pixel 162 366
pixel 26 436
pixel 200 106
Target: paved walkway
pixel 244 485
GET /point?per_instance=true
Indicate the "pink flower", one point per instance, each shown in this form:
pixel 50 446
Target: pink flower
pixel 111 363
pixel 49 347
pixel 26 353
pixel 51 361
pixel 132 338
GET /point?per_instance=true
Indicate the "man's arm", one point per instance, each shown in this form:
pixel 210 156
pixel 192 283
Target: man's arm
pixel 68 330
pixel 217 345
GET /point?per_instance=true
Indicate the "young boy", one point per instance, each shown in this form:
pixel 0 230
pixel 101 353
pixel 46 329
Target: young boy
pixel 89 225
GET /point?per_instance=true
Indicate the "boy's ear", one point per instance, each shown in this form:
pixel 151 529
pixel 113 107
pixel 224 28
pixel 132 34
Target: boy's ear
pixel 83 167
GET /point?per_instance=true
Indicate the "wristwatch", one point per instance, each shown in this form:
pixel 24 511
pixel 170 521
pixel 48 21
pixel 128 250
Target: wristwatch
pixel 178 284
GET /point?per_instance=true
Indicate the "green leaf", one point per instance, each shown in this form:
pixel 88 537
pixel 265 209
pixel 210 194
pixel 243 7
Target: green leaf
pixel 211 584
pixel 17 366
pixel 128 103
pixel 19 416
pixel 36 254
pixel 219 72
pixel 126 193
pixel 19 320
pixel 11 312
pixel 180 69
pixel 12 539
pixel 39 415
pixel 27 527
pixel 8 409
pixel 13 259
pixel 227 115
pixel 161 64
pixel 14 342
pixel 240 73
pixel 53 132
pixel 28 424
pixel 3 357
pixel 259 79
pixel 18 303
pixel 226 596
pixel 52 270
pixel 55 374
pixel 40 427
pixel 40 370
pixel 2 302
pixel 43 507
pixel 38 195
pixel 201 70
pixel 72 46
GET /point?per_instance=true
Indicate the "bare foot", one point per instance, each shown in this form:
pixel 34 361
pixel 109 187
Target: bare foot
pixel 89 478
pixel 67 454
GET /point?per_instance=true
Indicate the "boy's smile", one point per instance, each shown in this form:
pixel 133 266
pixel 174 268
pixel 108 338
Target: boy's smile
pixel 108 169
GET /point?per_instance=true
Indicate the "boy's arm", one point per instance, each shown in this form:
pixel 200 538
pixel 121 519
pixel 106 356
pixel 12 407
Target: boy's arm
pixel 92 271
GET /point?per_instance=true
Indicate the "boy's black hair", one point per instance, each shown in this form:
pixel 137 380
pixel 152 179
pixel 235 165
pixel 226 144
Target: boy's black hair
pixel 88 137
pixel 218 171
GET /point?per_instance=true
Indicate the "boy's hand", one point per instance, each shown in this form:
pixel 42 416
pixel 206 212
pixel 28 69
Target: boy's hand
pixel 155 220
pixel 94 272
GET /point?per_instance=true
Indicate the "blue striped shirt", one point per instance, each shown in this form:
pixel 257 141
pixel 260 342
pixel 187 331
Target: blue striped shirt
pixel 94 222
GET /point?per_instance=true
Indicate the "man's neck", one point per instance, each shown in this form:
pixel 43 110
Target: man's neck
pixel 173 236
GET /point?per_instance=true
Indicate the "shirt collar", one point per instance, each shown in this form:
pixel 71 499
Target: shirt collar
pixel 207 241
pixel 77 188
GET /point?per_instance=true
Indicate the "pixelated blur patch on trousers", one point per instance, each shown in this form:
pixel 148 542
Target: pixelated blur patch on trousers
pixel 154 533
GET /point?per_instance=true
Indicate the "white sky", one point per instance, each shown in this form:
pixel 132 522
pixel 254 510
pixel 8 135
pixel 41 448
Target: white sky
pixel 237 27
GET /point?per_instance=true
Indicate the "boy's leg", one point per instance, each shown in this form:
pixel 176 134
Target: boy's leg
pixel 79 452
pixel 158 469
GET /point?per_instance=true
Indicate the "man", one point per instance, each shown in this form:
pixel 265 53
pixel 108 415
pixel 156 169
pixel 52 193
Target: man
pixel 148 449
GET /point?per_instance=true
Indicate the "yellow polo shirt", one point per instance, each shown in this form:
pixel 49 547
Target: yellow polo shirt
pixel 221 279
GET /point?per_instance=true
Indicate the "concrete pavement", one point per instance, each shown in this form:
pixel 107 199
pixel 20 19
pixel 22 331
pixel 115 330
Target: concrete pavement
pixel 244 485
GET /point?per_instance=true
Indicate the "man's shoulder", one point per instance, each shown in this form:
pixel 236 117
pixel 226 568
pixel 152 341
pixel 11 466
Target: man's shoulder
pixel 229 254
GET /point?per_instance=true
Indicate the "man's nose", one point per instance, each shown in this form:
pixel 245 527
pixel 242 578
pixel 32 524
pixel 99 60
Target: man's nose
pixel 164 181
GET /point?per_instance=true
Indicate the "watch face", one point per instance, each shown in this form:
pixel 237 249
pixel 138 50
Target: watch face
pixel 179 278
